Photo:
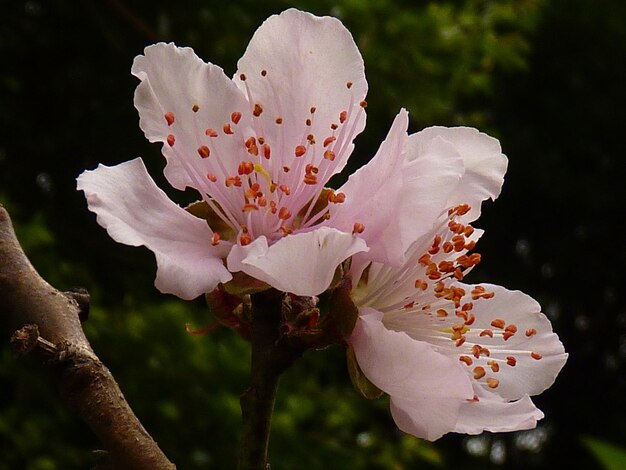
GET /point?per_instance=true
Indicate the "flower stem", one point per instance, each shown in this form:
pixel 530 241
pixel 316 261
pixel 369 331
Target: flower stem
pixel 270 358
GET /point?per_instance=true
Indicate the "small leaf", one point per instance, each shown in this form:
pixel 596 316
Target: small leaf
pixel 609 455
pixel 361 383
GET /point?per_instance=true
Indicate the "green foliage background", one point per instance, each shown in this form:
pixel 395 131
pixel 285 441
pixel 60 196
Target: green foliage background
pixel 547 78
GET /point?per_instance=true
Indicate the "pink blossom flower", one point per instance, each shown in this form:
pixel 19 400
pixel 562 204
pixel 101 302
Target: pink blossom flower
pixel 453 357
pixel 259 149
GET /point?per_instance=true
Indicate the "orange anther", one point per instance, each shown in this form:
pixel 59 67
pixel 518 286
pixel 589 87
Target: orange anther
pixel 299 150
pixel 279 120
pixel 195 108
pixel 498 323
pixel 329 140
pixel 233 181
pixel 421 284
pixel 216 239
pixel 329 155
pixel 486 333
pixel 531 332
pixel 284 213
pixel 493 383
pixel 285 189
pixel 245 168
pixel 245 239
pixel 470 319
pixel 460 341
pixel 249 207
pixel 310 179
pixel 469 230
pixel 349 85
pixel 466 359
pixel 442 313
pixel 235 117
pixel 210 132
pixel 424 259
pixel 169 117
pixel 262 201
pixel 308 122
pixel 358 228
pixel 170 140
pixel 409 305
pixel 479 372
pixel 510 360
pixel 204 151
pixel 212 178
pixel 227 129
pixel 363 104
pixel 343 115
pixel 495 367
pixel 267 151
pixel 257 110
pixel 535 355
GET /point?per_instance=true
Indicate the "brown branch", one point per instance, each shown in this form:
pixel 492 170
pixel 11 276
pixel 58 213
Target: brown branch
pixel 46 322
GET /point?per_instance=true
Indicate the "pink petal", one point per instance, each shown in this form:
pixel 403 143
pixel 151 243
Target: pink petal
pixel 173 80
pixel 296 61
pixel 371 192
pixel 426 387
pixel 303 264
pixel 134 211
pixel 431 176
pixel 533 336
pixel 485 165
pixel 492 413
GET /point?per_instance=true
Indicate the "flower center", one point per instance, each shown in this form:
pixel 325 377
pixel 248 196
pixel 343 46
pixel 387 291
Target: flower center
pixel 251 174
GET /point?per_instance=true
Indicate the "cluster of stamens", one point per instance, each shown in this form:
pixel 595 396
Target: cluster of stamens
pixel 451 307
pixel 269 195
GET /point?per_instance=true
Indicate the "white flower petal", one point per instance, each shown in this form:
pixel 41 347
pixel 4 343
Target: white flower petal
pixel 485 165
pixel 492 413
pixel 173 80
pixel 371 193
pixel 426 387
pixel 134 211
pixel 296 61
pixel 303 264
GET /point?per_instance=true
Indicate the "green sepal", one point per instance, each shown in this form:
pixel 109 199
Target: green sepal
pixel 361 383
pixel 202 210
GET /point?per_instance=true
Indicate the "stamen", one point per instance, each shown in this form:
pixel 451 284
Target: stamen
pixel 235 117
pixel 300 150
pixel 204 151
pixel 258 109
pixel 170 140
pixel 169 117
pixel 358 228
pixel 510 360
pixel 479 372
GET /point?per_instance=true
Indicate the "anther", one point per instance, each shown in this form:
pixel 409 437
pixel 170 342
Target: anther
pixel 195 108
pixel 249 207
pixel 169 117
pixel 233 181
pixel 235 117
pixel 510 360
pixel 486 333
pixel 216 239
pixel 442 313
pixel 204 151
pixel 495 367
pixel 211 132
pixel 334 126
pixel 266 151
pixel 493 383
pixel 279 120
pixel 170 140
pixel 212 178
pixel 245 239
pixel 349 85
pixel 300 150
pixel 227 129
pixel 329 140
pixel 358 228
pixel 242 77
pixel 313 109
pixel 535 355
pixel 343 115
pixel 263 73
pixel 466 359
pixel 498 323
pixel 257 110
pixel 531 332
pixel 421 284
pixel 284 213
pixel 285 189
pixel 245 168
pixel 459 342
pixel 329 155
pixel 363 104
pixel 479 372
pixel 308 122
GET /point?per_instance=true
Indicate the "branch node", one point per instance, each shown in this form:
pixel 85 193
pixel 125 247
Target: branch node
pixel 82 298
pixel 27 339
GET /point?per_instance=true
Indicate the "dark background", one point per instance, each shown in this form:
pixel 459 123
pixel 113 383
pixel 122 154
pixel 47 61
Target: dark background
pixel 546 78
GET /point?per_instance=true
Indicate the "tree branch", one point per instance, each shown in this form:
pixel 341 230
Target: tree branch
pixel 46 322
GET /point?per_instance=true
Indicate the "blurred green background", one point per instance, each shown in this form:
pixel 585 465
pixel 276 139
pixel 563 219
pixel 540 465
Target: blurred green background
pixel 546 78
